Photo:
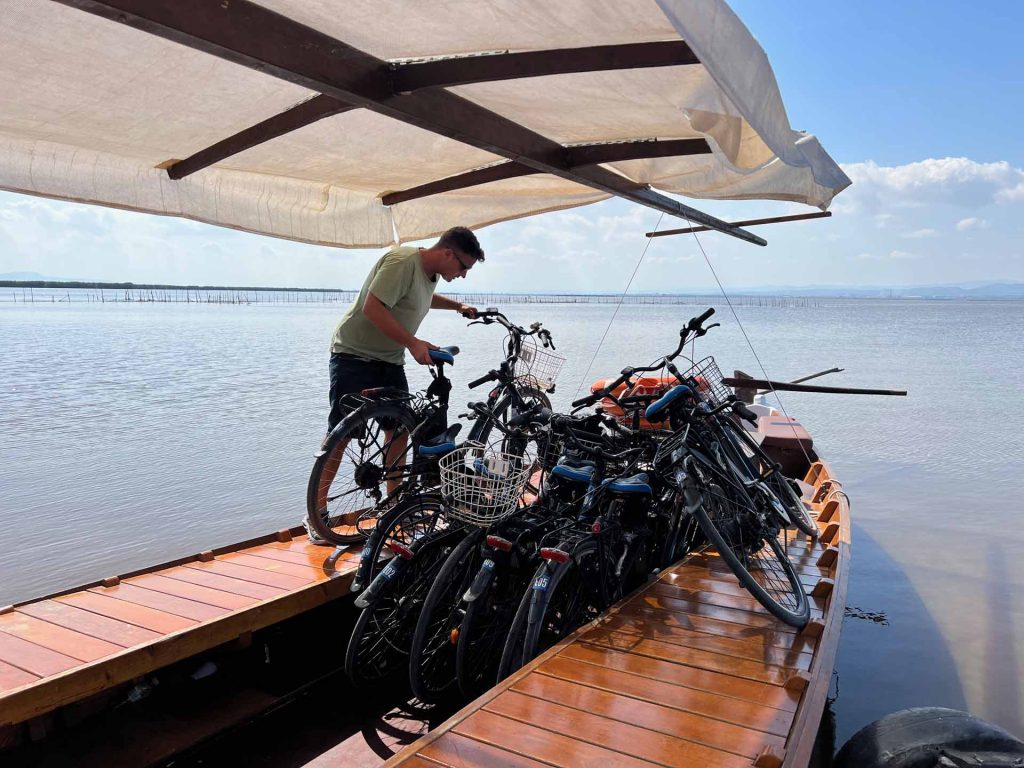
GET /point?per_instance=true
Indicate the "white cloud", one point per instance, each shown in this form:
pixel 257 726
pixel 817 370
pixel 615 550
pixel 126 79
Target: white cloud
pixel 971 223
pixel 920 234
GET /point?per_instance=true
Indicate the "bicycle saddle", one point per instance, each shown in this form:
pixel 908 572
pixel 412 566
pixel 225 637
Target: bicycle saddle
pixel 444 355
pixel 574 470
pixel 633 484
pixel 659 405
pixel 440 444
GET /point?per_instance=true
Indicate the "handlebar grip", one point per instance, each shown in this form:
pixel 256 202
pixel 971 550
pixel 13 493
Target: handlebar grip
pixel 700 320
pixel 483 380
pixel 587 400
pixel 744 412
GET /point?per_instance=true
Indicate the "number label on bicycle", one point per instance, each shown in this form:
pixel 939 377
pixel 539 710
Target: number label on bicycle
pixel 390 570
pixel 541 583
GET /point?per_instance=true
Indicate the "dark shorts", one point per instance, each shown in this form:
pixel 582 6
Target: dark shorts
pixel 351 375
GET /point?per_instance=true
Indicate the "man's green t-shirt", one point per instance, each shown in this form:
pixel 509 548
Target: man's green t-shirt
pixel 400 283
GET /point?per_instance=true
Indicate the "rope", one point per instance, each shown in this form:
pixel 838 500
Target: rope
pixel 749 344
pixel 616 312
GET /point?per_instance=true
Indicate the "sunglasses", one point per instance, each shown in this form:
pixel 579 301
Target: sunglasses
pixel 464 265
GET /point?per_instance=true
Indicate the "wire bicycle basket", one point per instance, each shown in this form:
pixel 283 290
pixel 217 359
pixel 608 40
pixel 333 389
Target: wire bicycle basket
pixel 483 484
pixel 537 366
pixel 709 381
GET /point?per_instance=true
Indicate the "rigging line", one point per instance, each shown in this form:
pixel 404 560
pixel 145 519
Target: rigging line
pixel 743 330
pixel 616 312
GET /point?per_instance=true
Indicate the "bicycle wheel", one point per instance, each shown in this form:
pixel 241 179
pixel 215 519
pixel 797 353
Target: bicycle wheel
pixel 753 553
pixel 512 651
pixel 379 646
pixel 483 632
pixel 405 523
pixel 565 596
pixel 367 448
pixel 432 655
pixel 779 484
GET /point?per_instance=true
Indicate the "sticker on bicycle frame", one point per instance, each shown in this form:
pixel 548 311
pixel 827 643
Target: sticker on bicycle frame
pixel 488 564
pixel 541 583
pixel 389 570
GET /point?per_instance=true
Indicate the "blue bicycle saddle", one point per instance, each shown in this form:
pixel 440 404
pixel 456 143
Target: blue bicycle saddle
pixel 659 405
pixel 634 484
pixel 440 444
pixel 575 471
pixel 444 354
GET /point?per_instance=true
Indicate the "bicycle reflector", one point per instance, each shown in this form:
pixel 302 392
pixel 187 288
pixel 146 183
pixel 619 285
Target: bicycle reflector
pixel 555 555
pixel 401 550
pixel 496 542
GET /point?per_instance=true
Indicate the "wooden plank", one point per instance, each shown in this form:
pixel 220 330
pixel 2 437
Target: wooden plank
pixel 746 223
pixel 320 560
pixel 139 615
pixel 685 728
pixel 759 636
pixel 748 714
pixel 719 683
pixel 88 623
pixel 189 609
pixel 613 734
pixel 644 626
pixel 224 583
pixel 306 572
pixel 55 637
pixel 745 602
pixel 12 677
pixel 691 657
pixel 458 751
pixel 33 658
pixel 194 592
pixel 246 573
pixel 539 744
pixel 722 613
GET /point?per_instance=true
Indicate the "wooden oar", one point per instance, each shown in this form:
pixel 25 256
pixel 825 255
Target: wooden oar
pixel 787 387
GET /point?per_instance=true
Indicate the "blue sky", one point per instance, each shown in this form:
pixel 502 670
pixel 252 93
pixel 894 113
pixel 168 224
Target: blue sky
pixel 920 102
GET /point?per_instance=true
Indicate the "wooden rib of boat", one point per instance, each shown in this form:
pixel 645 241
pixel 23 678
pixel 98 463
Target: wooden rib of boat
pixel 688 670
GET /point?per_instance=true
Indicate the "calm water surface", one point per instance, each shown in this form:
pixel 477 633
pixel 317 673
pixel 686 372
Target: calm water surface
pixel 136 433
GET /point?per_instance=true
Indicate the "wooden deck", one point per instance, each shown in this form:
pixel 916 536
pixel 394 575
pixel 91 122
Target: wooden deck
pixel 63 648
pixel 688 671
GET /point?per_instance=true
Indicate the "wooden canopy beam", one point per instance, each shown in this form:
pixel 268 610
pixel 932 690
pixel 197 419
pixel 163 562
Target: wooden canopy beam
pixel 251 35
pixel 463 70
pixel 300 115
pixel 588 154
pixel 747 223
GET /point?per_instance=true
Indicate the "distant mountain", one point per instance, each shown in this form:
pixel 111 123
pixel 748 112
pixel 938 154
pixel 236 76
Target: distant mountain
pixel 38 277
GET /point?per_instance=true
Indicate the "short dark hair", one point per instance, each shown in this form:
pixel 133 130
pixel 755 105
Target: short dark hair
pixel 462 240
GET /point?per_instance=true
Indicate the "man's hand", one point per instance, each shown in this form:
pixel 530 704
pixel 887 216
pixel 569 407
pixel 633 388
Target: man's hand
pixel 467 311
pixel 420 351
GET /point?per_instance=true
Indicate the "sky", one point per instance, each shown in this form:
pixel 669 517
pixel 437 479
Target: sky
pixel 920 103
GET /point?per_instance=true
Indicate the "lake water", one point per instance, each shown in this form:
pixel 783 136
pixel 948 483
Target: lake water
pixel 134 433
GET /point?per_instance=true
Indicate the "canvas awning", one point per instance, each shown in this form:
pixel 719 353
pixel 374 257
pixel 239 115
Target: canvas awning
pixel 363 122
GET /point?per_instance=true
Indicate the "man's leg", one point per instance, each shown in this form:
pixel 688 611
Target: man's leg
pixel 397 443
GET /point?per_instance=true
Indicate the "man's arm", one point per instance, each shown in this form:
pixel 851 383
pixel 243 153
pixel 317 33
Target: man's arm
pixel 377 312
pixel 443 302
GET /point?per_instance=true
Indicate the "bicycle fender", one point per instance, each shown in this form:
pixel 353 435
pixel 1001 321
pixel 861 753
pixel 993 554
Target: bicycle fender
pixel 380 583
pixel 480 582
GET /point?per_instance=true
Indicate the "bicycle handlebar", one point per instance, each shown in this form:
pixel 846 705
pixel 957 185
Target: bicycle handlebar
pixel 489 376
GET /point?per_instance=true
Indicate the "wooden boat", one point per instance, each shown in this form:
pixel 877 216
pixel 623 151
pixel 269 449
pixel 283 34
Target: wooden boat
pixel 689 665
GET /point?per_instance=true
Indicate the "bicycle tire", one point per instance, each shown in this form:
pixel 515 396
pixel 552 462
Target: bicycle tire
pixel 337 522
pixel 768 576
pixel 432 654
pixel 379 645
pixel 482 636
pixel 779 484
pixel 550 620
pixel 512 651
pixel 407 521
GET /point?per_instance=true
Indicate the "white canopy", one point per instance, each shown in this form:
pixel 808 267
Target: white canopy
pixel 95 110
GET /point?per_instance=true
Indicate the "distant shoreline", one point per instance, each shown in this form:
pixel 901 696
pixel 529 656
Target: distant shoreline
pixel 993 292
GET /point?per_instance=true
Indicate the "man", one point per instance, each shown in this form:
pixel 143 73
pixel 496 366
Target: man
pixel 369 343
